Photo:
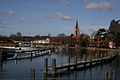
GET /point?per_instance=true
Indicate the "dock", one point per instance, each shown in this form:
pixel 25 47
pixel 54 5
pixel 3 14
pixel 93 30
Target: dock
pixel 94 60
pixel 19 54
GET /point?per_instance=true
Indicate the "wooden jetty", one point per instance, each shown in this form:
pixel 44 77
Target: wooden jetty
pixel 94 60
pixel 30 54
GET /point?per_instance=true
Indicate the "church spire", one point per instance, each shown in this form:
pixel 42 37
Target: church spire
pixel 76 23
pixel 76 29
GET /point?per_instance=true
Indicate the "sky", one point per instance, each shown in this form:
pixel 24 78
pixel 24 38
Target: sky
pixel 43 17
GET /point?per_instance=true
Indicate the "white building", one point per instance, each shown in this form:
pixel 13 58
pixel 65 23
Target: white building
pixel 44 41
pixel 111 45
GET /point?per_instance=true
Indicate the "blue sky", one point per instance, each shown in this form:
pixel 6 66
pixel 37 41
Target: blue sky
pixel 32 17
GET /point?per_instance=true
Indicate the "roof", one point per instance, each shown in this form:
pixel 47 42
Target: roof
pixel 81 35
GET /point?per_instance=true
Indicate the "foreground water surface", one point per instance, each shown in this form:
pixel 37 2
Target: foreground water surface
pixel 20 70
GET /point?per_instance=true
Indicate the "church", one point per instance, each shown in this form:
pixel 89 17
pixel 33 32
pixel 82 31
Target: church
pixel 76 29
pixel 77 34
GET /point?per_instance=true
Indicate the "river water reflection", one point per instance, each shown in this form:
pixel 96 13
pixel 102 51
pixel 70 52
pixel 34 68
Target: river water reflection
pixel 20 70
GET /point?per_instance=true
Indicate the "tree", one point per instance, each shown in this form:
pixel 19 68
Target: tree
pixel 18 34
pixel 114 26
pixel 71 35
pixel 114 32
pixel 117 39
pixel 83 41
pixel 12 35
pixel 102 33
pixel 61 35
pixel 49 35
pixel 16 37
pixel 37 35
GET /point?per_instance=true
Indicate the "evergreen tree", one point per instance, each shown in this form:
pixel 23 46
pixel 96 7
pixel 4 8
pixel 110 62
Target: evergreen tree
pixel 114 32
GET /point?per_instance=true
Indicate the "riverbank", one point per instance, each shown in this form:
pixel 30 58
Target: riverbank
pixel 95 48
pixel 105 49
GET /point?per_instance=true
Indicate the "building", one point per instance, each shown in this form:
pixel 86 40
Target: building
pixel 97 41
pixel 7 43
pixel 42 41
pixel 80 39
pixel 76 29
pixel 77 34
pixel 112 45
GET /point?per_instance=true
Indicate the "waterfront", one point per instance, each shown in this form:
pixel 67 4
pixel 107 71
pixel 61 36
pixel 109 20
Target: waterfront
pixel 20 70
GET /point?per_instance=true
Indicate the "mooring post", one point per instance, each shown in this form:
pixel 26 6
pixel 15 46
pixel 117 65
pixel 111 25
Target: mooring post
pixel 75 62
pixel 95 55
pixel 109 74
pixel 45 76
pixel 1 56
pixel 31 54
pixel 104 54
pixel 107 55
pixel 68 62
pixel 49 51
pixel 90 59
pixel 32 74
pixel 45 65
pixel 101 55
pixel 84 56
pixel 41 52
pixel 1 59
pixel 54 65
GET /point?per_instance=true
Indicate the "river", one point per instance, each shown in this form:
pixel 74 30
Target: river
pixel 20 69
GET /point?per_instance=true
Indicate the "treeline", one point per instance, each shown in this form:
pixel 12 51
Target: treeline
pixel 18 37
pixel 110 34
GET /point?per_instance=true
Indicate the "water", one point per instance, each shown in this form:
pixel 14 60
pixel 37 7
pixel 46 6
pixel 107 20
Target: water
pixel 20 70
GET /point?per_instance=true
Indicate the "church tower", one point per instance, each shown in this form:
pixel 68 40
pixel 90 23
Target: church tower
pixel 76 29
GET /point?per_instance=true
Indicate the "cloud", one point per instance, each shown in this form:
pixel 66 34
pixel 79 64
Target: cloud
pixel 64 17
pixel 48 16
pixel 65 2
pixel 10 12
pixel 86 1
pixel 93 28
pixel 34 21
pixel 3 27
pixel 89 29
pixel 22 19
pixel 106 6
pixel 3 22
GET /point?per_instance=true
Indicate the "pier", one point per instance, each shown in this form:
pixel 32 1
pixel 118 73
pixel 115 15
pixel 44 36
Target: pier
pixel 93 60
pixel 19 54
